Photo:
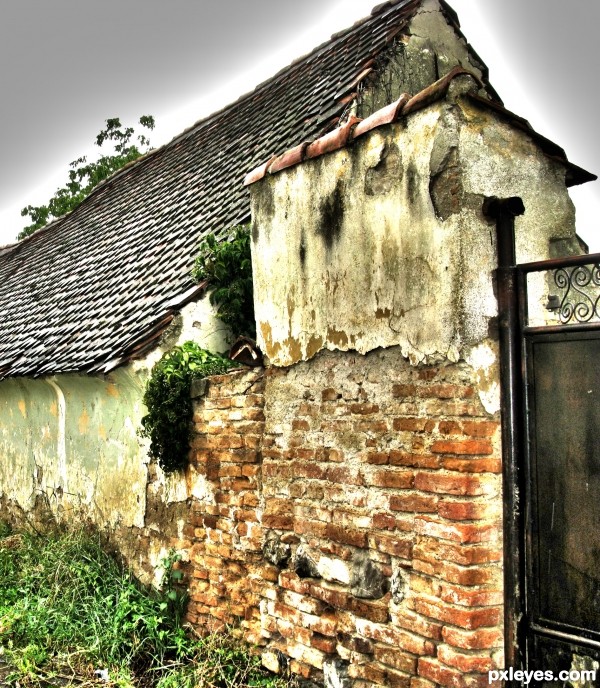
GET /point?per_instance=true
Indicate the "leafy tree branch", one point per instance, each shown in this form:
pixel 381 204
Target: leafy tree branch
pixel 84 175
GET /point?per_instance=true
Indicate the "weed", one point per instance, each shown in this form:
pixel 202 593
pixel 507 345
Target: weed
pixel 167 398
pixel 67 607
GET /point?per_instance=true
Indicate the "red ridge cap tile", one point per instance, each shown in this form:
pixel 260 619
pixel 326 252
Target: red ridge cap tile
pixel 385 115
pixel 333 140
pixel 435 91
pixel 258 172
pixel 355 127
pixel 347 99
pixel 291 157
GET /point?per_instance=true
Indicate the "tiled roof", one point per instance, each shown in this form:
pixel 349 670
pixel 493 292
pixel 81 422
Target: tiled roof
pixel 99 286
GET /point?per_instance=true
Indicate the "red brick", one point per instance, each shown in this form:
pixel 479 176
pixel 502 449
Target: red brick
pixel 413 424
pixel 355 643
pixel 230 470
pixel 278 522
pixel 458 616
pixel 414 502
pixel 405 618
pixel 308 527
pixel 417 682
pixel 402 458
pixel 470 597
pixel 470 447
pixel 330 394
pixel 440 674
pixel 455 483
pixel 372 673
pixel 449 427
pixel 300 469
pixel 473 465
pixel 481 639
pixel 396 679
pixel 480 428
pixel 395 637
pixel 335 455
pixel 427 373
pixel 377 458
pixel 396 545
pixel 346 536
pixel 396 658
pixel 465 533
pixel 390 478
pixel 453 573
pixel 364 409
pixel 335 596
pixel 371 611
pixel 402 391
pixel 463 511
pixel 467 663
pixel 323 643
pixel 430 549
pixel 300 424
pixel 384 522
pixel 377 426
pixel 343 476
pixel 447 391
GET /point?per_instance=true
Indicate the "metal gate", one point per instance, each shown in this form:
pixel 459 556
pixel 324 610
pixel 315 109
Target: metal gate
pixel 559 476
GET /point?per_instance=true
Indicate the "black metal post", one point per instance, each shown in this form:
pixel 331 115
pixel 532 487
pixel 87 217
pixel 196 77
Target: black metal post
pixel 504 211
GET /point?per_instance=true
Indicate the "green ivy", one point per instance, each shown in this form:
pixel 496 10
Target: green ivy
pixel 227 267
pixel 167 398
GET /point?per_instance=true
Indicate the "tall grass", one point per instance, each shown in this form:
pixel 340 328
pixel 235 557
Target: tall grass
pixel 68 608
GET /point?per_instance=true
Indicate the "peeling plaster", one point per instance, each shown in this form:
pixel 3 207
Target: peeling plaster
pixel 409 259
pixel 484 360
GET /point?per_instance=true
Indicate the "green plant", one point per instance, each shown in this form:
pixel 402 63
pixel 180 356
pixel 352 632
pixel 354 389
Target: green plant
pixel 167 398
pixel 67 607
pixel 227 267
pixel 64 599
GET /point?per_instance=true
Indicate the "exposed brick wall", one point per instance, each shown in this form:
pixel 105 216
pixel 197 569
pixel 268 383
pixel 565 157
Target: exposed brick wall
pixel 226 559
pixel 355 527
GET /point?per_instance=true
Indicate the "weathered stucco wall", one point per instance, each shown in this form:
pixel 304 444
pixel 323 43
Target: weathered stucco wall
pixel 385 243
pixel 70 449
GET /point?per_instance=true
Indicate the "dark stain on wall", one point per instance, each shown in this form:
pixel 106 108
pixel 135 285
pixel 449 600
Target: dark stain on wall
pixel 332 215
pixel 412 176
pixel 302 250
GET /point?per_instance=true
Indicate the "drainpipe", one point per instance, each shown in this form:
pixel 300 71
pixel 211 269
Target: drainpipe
pixel 504 211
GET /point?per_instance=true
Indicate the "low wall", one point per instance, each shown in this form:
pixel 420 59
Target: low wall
pixel 351 519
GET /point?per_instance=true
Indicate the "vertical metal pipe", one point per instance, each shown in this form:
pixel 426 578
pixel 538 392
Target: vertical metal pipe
pixel 504 211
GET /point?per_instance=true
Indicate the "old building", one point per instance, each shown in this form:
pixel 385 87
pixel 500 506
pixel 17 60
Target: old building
pixel 346 505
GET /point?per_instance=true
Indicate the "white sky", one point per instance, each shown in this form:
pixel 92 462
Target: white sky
pixel 67 65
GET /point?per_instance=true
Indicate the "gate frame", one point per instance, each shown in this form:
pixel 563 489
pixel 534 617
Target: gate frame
pixel 511 279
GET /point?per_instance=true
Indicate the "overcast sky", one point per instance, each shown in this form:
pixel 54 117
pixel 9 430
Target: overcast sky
pixel 67 65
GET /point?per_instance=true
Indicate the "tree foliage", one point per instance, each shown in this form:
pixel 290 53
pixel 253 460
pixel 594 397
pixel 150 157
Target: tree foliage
pixel 227 266
pixel 84 175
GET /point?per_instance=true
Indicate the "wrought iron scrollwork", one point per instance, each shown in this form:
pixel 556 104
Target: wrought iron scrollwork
pixel 579 302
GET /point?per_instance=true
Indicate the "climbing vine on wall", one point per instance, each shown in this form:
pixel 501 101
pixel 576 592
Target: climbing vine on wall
pixel 169 403
pixel 227 267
